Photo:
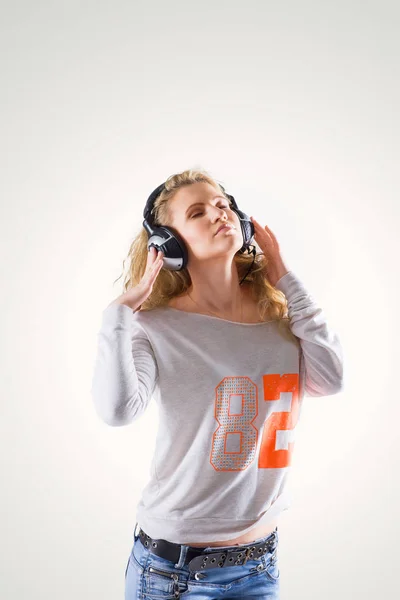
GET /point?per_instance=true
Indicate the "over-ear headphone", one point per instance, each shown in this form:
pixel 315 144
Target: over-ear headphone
pixel 171 243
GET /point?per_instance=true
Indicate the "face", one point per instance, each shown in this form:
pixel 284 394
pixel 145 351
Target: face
pixel 196 212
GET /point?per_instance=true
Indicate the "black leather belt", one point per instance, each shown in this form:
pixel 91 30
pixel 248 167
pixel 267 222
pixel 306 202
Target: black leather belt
pixel 197 560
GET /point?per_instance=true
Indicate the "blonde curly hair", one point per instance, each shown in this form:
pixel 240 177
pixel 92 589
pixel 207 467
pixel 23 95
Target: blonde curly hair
pixel 169 284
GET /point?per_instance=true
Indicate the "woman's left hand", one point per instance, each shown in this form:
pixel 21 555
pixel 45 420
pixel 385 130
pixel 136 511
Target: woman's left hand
pixel 268 243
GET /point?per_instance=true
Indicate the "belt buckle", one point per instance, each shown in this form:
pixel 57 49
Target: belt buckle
pixel 247 554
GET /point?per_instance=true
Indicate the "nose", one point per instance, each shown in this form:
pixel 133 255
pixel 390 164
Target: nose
pixel 221 212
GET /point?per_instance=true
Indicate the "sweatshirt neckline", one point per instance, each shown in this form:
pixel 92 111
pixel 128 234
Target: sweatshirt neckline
pixel 194 314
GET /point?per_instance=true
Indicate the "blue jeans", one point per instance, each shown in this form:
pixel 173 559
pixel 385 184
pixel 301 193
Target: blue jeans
pixel 258 578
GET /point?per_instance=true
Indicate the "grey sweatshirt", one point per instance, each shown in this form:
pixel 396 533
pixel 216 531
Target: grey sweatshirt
pixel 229 397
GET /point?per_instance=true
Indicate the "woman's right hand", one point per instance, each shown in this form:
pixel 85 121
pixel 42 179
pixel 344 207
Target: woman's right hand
pixel 135 296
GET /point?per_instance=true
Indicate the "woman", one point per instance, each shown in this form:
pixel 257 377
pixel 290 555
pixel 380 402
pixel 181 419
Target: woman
pixel 229 345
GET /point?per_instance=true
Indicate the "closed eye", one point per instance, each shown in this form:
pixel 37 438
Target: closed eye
pixel 197 214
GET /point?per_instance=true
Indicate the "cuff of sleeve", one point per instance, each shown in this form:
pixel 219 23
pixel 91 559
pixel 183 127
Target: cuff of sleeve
pixel 289 284
pixel 117 314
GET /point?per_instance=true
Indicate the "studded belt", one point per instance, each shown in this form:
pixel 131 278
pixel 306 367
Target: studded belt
pixel 198 560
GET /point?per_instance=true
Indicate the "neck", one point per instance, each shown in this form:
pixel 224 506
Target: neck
pixel 220 294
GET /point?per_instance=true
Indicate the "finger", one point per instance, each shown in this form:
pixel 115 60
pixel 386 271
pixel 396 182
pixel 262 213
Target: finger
pixel 152 255
pixel 155 269
pixel 257 226
pixel 158 261
pixel 270 232
pixel 151 261
pixel 268 229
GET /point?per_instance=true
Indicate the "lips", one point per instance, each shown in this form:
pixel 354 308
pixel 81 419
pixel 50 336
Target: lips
pixel 223 227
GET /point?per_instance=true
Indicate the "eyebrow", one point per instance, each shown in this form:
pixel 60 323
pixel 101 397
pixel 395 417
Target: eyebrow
pixel 197 203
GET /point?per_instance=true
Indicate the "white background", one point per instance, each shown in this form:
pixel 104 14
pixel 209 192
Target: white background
pixel 294 108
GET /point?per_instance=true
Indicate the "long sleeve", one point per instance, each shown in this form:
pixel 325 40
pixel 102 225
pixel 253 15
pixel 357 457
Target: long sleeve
pixel 321 349
pixel 125 370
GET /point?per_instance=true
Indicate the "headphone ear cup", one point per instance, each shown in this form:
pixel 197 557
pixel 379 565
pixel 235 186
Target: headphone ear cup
pixel 247 228
pixel 172 245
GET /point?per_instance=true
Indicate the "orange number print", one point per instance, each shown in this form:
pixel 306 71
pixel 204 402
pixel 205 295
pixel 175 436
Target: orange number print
pixel 234 442
pixel 279 422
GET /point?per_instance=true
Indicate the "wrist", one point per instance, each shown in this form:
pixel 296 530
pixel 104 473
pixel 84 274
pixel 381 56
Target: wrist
pixel 274 275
